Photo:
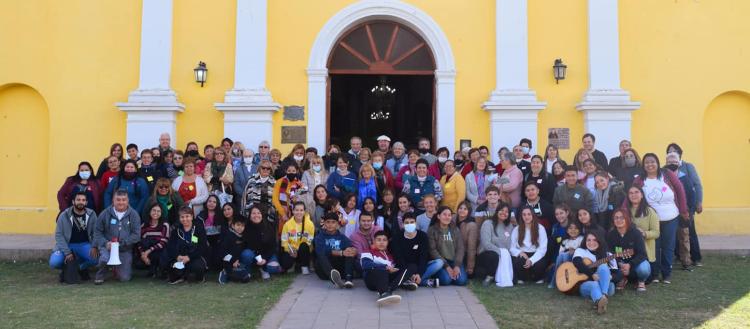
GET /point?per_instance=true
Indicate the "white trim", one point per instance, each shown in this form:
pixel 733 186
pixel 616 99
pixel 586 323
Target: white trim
pixel 400 12
pixel 513 107
pixel 606 107
pixel 249 108
pixel 152 108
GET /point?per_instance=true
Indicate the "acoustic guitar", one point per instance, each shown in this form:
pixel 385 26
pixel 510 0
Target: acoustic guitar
pixel 568 279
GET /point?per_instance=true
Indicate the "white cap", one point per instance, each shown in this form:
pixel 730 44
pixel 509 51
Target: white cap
pixel 384 138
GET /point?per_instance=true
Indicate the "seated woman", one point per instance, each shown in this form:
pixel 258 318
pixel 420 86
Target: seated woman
pixel 404 207
pixel 74 235
pixel 380 271
pixel 297 240
pixel 494 261
pixel 260 235
pixel 608 196
pixel 83 181
pixel 154 238
pixel 349 215
pixel 587 223
pixel 646 221
pixel 320 196
pixel 213 222
pixel 625 237
pixel 599 286
pixel 542 208
pixel 168 199
pixel 447 248
pixel 566 248
pixel 528 246
pixel 469 234
pixel 558 232
pixel 369 206
pixel 186 250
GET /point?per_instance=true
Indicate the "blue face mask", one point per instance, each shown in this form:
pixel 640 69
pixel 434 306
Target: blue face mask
pixel 316 168
pixel 84 174
pixel 525 150
pixel 410 228
pixel 377 165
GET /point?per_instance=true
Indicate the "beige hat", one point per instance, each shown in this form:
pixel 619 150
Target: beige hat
pixel 384 138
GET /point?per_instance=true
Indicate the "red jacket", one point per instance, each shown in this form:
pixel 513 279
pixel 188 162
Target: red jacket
pixel 468 167
pixel 64 194
pixel 399 182
pixel 434 170
pixel 389 181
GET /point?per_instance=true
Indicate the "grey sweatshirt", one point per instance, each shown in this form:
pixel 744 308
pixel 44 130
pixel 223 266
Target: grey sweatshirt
pixel 64 228
pixel 127 230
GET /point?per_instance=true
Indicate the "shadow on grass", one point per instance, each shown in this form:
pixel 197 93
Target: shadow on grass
pixel 31 297
pixel 716 296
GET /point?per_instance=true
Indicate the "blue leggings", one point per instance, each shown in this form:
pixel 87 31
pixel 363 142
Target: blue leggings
pixel 80 250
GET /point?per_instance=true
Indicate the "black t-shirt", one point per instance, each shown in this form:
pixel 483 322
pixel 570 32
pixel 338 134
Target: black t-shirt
pixel 78 234
pixel 411 251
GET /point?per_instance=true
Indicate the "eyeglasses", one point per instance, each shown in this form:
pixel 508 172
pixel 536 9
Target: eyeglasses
pixel 263 146
pixel 265 168
pixel 163 187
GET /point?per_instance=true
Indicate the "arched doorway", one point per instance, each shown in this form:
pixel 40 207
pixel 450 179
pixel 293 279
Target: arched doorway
pixel 725 132
pixel 381 82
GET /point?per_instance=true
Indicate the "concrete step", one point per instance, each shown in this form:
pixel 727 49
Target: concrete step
pixel 26 247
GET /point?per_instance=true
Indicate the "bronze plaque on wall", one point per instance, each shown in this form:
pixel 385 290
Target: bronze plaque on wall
pixel 293 134
pixel 559 137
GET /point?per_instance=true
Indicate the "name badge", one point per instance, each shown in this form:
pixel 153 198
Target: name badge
pixel 113 221
pixel 577 196
pixel 506 234
pixel 448 186
pixel 416 190
pixel 539 181
pixel 537 210
pixel 611 207
pixel 150 178
pixel 228 257
pixel 351 222
pixel 416 246
pixel 523 168
pixel 559 239
pixel 194 239
pixel 190 187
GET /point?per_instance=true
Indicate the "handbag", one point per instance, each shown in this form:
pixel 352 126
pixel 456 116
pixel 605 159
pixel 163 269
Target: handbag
pixel 223 196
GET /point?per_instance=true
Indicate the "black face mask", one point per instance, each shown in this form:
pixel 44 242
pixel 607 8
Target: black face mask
pixel 424 150
pixel 191 153
pixel 672 167
pixel 129 175
pixel 291 176
pixel 458 163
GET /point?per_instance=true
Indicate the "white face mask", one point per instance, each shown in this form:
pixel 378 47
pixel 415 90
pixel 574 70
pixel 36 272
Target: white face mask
pixel 442 159
pixel 410 228
pixel 316 168
pixel 249 160
pixel 84 174
pixel 298 157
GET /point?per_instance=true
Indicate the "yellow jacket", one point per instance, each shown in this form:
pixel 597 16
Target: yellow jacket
pixel 650 225
pixel 454 191
pixel 293 234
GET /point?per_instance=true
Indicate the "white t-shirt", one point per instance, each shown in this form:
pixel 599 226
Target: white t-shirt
pixel 550 163
pixel 120 214
pixel 528 247
pixel 352 222
pixel 661 198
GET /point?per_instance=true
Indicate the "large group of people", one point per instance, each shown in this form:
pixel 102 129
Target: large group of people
pixel 398 218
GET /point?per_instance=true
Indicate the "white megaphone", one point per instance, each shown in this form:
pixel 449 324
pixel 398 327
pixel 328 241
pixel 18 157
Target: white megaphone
pixel 114 253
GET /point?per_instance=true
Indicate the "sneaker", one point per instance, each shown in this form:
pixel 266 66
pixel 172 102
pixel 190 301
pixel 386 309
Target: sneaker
pixel 387 298
pixel 336 279
pixel 177 281
pixel 641 287
pixel 487 281
pixel 666 280
pixel 521 282
pixel 305 270
pixel 348 284
pixel 698 264
pixel 264 275
pixel 433 283
pixel 655 281
pixel 687 268
pixel 540 282
pixel 223 277
pixel 409 285
pixel 98 281
pixel 601 305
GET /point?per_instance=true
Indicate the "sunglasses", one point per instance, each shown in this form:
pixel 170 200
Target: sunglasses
pixel 265 168
pixel 164 187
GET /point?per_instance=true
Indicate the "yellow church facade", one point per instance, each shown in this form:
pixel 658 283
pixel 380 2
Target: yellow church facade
pixel 77 76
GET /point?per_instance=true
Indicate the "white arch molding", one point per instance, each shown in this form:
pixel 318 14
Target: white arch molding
pixel 394 10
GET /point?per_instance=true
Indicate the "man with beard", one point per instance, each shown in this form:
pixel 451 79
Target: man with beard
pixel 73 236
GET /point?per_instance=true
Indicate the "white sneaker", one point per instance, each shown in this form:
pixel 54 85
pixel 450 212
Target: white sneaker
pixel 265 275
pixel 305 270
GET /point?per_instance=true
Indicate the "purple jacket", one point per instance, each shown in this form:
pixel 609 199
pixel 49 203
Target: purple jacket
pixel 361 241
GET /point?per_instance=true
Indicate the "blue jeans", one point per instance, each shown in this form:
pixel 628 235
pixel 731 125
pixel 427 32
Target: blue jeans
pixel 642 271
pixel 665 247
pixel 596 289
pixel 445 279
pixel 561 258
pixel 433 267
pixel 247 258
pixel 80 250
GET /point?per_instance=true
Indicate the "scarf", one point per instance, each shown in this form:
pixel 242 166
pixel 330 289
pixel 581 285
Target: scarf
pixel 165 203
pixel 602 199
pixel 479 178
pixel 397 162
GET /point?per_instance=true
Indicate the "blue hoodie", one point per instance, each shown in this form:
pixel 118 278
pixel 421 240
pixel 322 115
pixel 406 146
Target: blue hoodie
pixel 325 243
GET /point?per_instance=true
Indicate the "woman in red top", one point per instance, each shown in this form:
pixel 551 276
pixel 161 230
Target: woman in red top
pixel 191 187
pixel 84 180
pixel 113 163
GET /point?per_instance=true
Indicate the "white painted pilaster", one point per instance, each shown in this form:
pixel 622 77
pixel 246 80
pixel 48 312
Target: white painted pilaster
pixel 248 108
pixel 152 108
pixel 606 107
pixel 513 107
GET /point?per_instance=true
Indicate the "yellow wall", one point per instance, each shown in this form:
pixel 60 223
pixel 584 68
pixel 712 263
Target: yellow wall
pixel 81 56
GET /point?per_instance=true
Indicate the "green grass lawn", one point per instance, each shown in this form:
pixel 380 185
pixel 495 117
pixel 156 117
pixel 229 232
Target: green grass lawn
pixel 714 296
pixel 31 297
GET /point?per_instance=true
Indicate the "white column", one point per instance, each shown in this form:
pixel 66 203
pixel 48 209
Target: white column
pixel 317 80
pixel 606 107
pixel 248 108
pixel 513 107
pixel 445 82
pixel 152 108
